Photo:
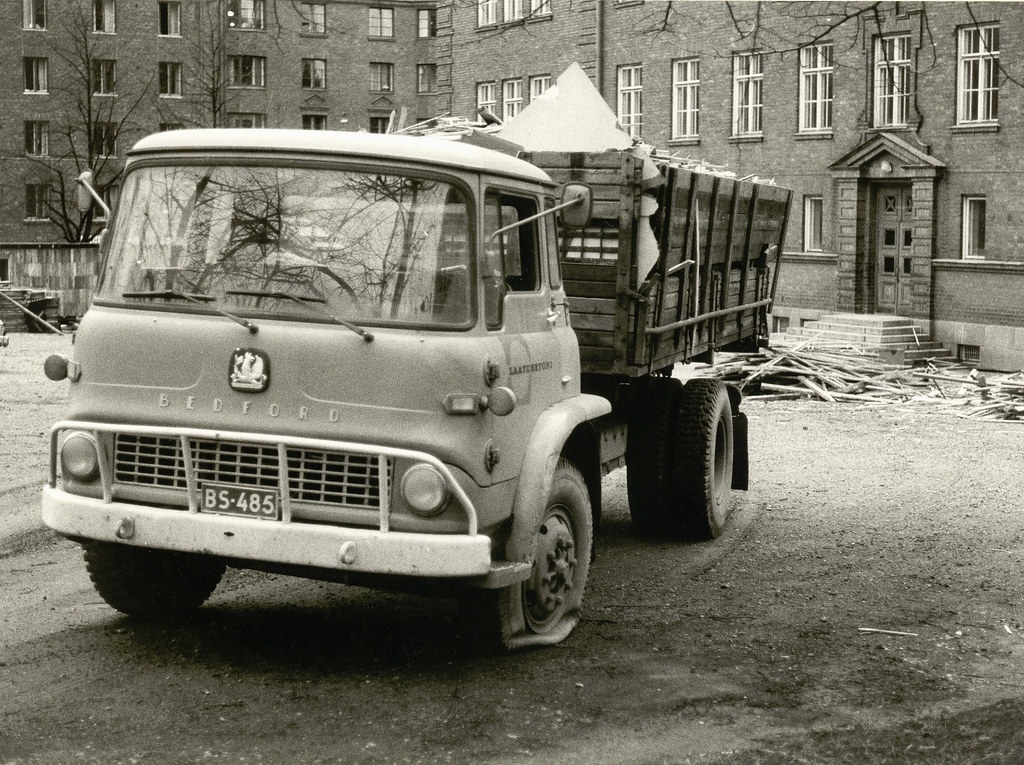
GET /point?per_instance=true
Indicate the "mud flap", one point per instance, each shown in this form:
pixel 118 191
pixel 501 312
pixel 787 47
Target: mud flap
pixel 740 462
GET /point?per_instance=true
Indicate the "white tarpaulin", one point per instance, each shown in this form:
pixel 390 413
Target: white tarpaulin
pixel 569 116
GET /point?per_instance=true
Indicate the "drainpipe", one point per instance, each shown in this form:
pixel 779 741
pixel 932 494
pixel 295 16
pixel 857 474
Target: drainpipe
pixel 599 45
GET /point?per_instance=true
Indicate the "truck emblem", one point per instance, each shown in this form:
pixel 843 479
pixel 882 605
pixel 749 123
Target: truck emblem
pixel 250 370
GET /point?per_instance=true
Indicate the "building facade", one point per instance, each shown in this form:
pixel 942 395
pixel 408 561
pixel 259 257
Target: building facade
pixel 82 80
pixel 898 125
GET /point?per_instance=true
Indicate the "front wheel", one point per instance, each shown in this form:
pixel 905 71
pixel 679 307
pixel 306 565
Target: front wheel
pixel 544 609
pixel 148 583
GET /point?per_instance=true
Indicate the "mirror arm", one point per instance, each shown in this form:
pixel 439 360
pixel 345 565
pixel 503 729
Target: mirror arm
pixel 85 181
pixel 531 218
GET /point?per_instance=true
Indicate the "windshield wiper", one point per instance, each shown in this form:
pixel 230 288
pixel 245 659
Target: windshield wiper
pixel 367 336
pixel 198 299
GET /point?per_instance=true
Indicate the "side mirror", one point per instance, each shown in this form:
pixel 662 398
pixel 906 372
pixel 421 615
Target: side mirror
pixel 82 190
pixel 578 201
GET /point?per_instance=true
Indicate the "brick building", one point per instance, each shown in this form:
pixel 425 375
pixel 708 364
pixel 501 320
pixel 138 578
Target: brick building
pixel 897 125
pixel 82 80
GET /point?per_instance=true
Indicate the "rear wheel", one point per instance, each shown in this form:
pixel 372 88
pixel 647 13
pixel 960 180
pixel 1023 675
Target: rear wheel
pixel 149 583
pixel 544 609
pixel 704 448
pixel 649 458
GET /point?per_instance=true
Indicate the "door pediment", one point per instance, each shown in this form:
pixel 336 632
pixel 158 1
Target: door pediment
pixel 887 156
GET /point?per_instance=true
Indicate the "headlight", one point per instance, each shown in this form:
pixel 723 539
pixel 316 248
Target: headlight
pixel 424 489
pixel 79 457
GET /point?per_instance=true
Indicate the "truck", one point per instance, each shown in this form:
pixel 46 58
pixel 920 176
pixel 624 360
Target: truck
pixel 402 362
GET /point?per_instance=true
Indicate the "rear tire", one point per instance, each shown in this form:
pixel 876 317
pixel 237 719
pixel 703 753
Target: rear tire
pixel 704 450
pixel 649 458
pixel 151 584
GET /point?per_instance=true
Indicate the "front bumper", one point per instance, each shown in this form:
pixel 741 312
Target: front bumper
pixel 300 544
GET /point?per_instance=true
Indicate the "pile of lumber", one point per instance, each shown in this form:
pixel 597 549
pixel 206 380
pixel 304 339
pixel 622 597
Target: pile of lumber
pixel 851 376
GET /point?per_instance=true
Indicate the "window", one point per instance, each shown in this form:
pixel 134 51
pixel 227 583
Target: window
pixel 314 122
pixel 426 22
pixel 247 120
pixel 103 80
pixel 379 124
pixel 314 73
pixel 539 84
pixel 511 98
pixel 33 14
pixel 686 98
pixel 486 96
pixel 426 78
pixel 813 219
pixel 36 75
pixel 515 10
pixel 973 228
pixel 978 91
pixel 747 77
pixel 382 22
pixel 314 19
pixel 816 88
pixel 382 77
pixel 540 7
pixel 165 126
pixel 104 139
pixel 170 79
pixel 37 201
pixel 251 14
pixel 631 86
pixel 486 12
pixel 36 138
pixel 248 71
pixel 103 15
pixel 892 81
pixel 510 260
pixel 170 19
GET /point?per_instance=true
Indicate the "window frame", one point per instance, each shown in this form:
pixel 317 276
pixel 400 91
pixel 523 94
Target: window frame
pixel 37 138
pixel 381 30
pixel 104 77
pixel 314 73
pixel 892 81
pixel 816 94
pixel 168 23
pixel 234 118
pixel 103 139
pixel 748 94
pixel 252 15
pixel 535 81
pixel 39 74
pixel 972 227
pixel 41 194
pixel 513 10
pixel 258 74
pixel 685 98
pixel 425 83
pixel 526 250
pixel 486 13
pixel 511 98
pixel 31 11
pixel 169 79
pixel 426 23
pixel 104 16
pixel 814 222
pixel 481 101
pixel 308 119
pixel 629 95
pixel 382 77
pixel 985 92
pixel 313 22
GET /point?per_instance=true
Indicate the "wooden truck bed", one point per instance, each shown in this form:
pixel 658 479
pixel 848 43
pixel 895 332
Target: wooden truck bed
pixel 719 242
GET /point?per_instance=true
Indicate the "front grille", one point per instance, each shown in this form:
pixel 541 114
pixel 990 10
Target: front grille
pixel 314 476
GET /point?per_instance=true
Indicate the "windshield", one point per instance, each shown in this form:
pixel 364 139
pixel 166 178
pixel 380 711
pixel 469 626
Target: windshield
pixel 292 243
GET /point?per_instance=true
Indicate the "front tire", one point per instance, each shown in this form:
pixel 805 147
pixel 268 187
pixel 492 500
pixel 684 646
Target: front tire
pixel 150 584
pixel 544 609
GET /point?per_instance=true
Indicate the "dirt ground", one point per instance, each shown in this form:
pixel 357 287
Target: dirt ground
pixel 864 606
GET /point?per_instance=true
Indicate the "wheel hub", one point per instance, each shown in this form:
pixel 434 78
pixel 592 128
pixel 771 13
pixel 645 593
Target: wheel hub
pixel 554 572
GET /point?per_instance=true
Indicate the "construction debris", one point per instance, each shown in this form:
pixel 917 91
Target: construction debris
pixel 848 375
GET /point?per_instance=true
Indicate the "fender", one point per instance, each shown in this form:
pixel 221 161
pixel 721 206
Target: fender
pixel 553 428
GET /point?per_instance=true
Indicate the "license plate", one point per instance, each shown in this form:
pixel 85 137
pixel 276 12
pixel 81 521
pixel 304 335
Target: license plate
pixel 240 500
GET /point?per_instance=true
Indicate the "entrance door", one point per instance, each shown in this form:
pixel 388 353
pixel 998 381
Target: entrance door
pixel 894 246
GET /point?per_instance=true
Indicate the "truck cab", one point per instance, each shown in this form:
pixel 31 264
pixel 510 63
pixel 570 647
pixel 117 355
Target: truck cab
pixel 336 355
